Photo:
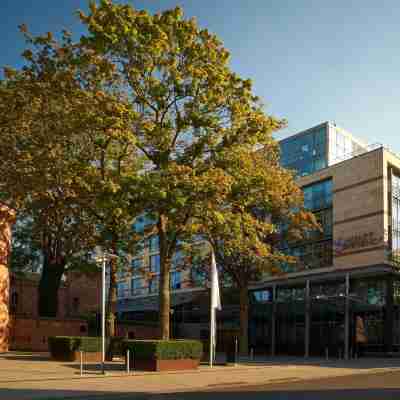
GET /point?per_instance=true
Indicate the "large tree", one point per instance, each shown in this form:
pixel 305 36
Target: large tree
pixel 64 157
pixel 191 114
pixel 263 210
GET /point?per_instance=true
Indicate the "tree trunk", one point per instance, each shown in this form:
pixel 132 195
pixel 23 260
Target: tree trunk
pixel 112 293
pixel 164 291
pixel 49 284
pixel 7 218
pixel 244 320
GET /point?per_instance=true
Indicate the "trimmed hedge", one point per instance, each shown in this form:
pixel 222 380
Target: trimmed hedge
pixel 63 347
pixel 164 349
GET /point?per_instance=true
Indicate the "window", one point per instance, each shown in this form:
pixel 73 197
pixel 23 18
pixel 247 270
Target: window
pixel 153 285
pixel 263 296
pixel 290 294
pixel 136 263
pixel 155 263
pixel 175 280
pixel 153 243
pixel 324 290
pixel 136 286
pixel 305 153
pixel 318 195
pixel 177 259
pixel 198 276
pixel 122 288
pixel 310 255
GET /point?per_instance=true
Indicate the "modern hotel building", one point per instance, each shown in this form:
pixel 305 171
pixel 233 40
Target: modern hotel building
pixel 346 277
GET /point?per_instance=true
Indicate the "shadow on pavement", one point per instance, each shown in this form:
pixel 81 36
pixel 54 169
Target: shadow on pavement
pixel 361 363
pixel 228 394
pixel 26 357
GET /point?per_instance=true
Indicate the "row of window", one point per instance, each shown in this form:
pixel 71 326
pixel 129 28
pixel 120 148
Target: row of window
pixel 372 292
pixel 310 255
pixel 154 262
pixel 139 286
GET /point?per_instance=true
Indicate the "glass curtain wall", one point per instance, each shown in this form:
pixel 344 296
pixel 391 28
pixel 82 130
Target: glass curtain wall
pixel 316 250
pixel 305 153
pixel 290 320
pixel 395 222
pixel 342 146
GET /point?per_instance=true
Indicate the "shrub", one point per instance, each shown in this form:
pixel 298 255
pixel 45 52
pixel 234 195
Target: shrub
pixel 164 349
pixel 63 347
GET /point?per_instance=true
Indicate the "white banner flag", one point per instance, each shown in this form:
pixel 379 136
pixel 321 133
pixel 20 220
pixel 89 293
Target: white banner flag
pixel 215 297
pixel 215 304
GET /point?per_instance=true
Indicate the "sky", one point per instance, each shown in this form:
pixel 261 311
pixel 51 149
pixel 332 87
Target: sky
pixel 310 60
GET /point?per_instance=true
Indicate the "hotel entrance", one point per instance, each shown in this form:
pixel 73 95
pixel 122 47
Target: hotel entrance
pixel 331 318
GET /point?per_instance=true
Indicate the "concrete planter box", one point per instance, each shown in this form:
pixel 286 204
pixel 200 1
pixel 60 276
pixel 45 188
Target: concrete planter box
pixel 165 365
pixel 76 356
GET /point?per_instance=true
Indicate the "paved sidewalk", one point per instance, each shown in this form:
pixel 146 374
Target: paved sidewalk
pixel 37 377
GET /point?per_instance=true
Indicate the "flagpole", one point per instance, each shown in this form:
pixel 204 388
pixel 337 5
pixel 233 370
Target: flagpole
pixel 212 326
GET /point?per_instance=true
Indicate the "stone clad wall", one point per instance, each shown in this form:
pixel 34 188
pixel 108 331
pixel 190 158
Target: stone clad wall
pixel 6 220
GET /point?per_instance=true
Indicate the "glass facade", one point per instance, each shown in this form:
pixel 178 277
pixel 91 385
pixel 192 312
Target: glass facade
pixel 154 284
pixel 318 148
pixel 153 244
pixel 122 289
pixel 318 195
pixel 136 286
pixel 342 146
pixel 155 263
pixel 316 250
pixel 306 153
pixel 368 307
pixel 395 222
pixel 175 280
pixel 136 263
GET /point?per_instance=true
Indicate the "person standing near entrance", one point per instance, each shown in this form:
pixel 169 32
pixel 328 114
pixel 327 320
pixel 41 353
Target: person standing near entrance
pixel 361 338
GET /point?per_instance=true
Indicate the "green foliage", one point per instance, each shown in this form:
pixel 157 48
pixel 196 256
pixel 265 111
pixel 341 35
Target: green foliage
pixel 191 116
pixel 63 347
pixel 164 349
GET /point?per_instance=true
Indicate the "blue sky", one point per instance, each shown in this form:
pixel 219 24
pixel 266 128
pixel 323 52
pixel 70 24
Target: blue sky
pixel 310 60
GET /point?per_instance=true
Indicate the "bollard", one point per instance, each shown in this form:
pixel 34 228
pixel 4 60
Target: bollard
pixel 236 350
pixel 251 354
pixel 326 353
pixel 127 361
pixel 81 360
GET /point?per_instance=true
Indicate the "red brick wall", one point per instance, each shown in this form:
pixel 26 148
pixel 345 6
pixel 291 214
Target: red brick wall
pixel 79 295
pixel 82 294
pixel 33 334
